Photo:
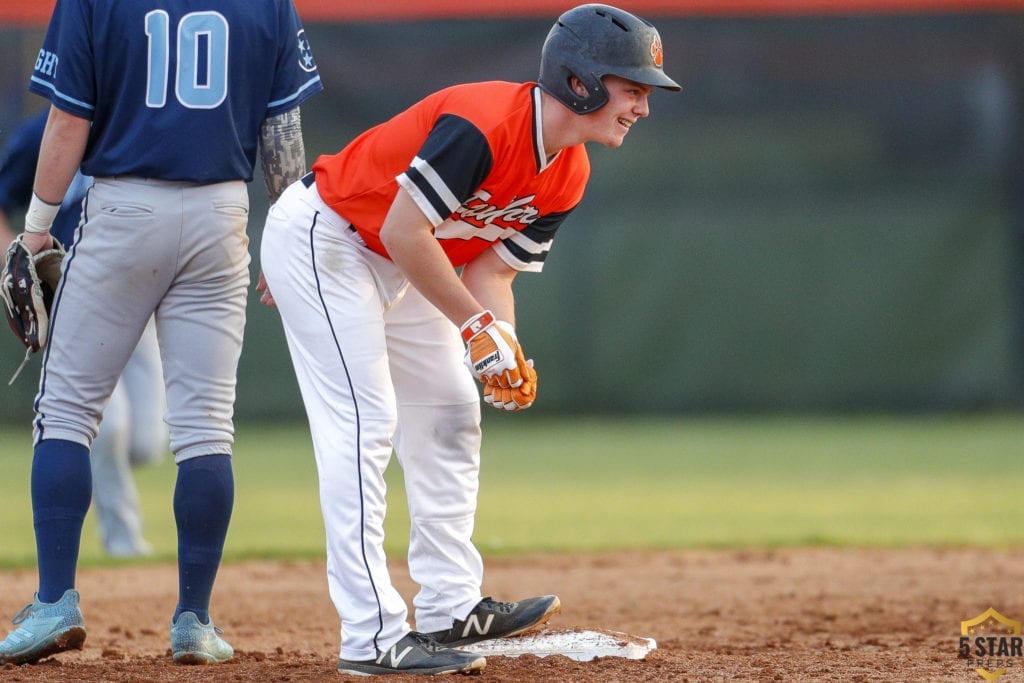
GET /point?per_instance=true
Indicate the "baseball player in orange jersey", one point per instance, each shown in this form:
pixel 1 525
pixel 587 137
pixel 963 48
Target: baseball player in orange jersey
pixel 362 258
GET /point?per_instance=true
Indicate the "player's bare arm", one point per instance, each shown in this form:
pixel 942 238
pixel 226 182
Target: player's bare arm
pixel 282 152
pixel 60 155
pixel 409 238
pixel 489 279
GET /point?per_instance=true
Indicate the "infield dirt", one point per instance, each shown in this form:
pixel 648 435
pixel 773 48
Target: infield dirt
pixel 820 614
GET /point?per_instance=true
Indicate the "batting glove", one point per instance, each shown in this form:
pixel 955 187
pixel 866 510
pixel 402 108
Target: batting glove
pixel 491 349
pixel 517 398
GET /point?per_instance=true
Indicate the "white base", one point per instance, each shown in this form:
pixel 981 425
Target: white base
pixel 579 645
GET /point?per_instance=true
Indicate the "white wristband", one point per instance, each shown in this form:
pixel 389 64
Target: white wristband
pixel 40 215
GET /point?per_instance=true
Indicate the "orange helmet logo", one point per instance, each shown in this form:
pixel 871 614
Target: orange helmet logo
pixel 657 54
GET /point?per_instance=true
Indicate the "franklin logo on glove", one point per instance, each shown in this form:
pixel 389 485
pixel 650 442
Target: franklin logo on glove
pixel 481 365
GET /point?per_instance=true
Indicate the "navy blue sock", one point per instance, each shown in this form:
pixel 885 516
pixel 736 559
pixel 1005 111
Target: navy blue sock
pixel 203 497
pixel 61 493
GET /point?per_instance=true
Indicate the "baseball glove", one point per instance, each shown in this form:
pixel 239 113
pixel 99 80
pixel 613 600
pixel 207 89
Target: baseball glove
pixel 27 285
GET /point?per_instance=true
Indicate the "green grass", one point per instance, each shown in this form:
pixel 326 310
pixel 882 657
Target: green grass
pixel 599 483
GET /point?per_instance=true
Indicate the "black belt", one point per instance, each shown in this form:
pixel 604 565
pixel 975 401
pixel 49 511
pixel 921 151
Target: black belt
pixel 308 181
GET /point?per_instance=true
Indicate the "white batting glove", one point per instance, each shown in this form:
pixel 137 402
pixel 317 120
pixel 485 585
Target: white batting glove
pixel 491 349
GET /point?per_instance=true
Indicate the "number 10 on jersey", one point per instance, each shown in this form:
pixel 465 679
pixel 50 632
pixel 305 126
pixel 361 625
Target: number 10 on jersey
pixel 201 77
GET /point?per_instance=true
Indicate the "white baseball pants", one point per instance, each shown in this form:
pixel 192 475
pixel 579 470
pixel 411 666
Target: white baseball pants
pixel 379 368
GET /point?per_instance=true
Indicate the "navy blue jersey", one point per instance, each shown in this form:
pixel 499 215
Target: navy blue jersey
pixel 18 170
pixel 151 75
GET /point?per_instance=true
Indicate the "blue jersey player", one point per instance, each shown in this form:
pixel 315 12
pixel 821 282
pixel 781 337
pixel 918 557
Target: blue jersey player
pixel 164 103
pixel 133 431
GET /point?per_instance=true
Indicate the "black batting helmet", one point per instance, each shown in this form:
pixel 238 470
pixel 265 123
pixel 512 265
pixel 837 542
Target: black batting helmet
pixel 591 41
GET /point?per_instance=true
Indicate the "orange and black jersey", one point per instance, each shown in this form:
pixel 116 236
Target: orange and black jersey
pixel 472 158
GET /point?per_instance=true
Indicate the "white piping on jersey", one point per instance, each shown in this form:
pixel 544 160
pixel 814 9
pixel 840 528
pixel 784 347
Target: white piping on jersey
pixel 421 200
pixel 538 142
pixel 305 86
pixel 527 244
pixel 66 98
pixel 276 103
pixel 503 252
pixel 436 183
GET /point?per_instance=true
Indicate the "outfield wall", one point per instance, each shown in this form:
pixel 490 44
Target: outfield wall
pixel 828 217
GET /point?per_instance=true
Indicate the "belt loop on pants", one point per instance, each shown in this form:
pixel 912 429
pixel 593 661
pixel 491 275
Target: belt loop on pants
pixel 309 179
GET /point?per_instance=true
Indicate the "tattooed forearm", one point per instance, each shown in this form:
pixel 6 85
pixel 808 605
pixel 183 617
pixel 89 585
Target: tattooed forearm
pixel 281 151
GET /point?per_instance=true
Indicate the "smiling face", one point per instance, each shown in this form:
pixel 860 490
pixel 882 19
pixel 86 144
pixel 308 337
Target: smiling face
pixel 627 104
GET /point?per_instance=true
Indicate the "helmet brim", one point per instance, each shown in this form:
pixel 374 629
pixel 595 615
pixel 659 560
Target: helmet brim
pixel 648 76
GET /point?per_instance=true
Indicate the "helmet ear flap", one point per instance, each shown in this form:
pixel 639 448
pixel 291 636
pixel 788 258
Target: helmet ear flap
pixel 588 93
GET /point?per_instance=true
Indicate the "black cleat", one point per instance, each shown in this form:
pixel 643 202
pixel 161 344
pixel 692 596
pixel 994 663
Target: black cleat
pixel 415 653
pixel 493 619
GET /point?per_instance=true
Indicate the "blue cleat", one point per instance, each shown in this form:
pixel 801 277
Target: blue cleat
pixel 44 629
pixel 193 642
